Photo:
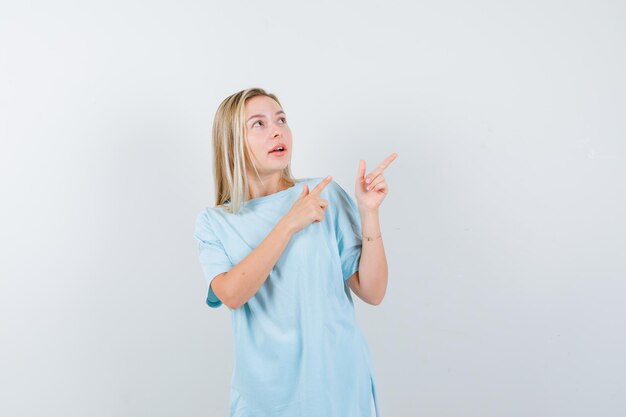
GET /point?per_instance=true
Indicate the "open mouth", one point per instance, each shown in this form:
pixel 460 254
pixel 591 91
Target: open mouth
pixel 278 151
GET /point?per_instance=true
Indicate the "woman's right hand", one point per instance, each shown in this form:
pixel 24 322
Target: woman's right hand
pixel 308 208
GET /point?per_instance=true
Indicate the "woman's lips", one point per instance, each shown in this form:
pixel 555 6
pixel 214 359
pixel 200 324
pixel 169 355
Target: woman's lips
pixel 279 153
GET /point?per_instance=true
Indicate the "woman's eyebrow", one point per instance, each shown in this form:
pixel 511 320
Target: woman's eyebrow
pixel 262 115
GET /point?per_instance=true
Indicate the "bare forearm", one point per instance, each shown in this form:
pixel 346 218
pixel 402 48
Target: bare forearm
pixel 373 263
pixel 243 280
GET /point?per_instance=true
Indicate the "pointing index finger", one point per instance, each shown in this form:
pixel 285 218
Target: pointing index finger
pixel 383 165
pixel 388 161
pixel 321 185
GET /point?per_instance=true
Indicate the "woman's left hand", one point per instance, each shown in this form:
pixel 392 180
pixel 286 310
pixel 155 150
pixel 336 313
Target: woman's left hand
pixel 371 199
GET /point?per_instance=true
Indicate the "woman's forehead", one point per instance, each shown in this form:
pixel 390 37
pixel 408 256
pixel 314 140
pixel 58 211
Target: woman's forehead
pixel 261 104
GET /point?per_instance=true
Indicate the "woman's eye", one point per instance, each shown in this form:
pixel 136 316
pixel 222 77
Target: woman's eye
pixel 284 119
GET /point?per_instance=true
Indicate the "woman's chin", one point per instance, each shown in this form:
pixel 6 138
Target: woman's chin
pixel 279 160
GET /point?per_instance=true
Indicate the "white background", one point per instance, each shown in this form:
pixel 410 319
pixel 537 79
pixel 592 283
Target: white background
pixel 504 224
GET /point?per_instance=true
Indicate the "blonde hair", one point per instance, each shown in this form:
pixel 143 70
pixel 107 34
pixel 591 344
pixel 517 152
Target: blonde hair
pixel 231 151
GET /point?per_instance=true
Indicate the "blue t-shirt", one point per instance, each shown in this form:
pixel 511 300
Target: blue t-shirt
pixel 298 349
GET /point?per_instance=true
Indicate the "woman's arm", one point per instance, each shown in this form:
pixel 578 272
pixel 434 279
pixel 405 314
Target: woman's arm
pixel 369 283
pixel 243 280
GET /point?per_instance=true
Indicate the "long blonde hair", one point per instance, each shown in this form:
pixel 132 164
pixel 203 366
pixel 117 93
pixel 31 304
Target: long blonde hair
pixel 231 151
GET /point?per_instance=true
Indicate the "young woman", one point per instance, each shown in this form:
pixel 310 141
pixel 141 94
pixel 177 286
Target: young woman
pixel 283 254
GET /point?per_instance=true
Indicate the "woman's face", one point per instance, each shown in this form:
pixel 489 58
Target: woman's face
pixel 266 127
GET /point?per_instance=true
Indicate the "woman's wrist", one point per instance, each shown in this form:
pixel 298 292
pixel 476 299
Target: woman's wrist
pixel 368 211
pixel 285 228
pixel 370 225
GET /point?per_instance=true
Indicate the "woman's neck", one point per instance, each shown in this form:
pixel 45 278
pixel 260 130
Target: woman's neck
pixel 256 189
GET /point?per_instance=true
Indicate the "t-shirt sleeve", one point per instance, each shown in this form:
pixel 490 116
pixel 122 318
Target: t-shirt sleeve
pixel 348 232
pixel 213 257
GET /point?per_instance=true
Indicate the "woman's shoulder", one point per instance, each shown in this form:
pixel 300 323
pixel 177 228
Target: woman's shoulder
pixel 208 215
pixel 210 222
pixel 203 229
